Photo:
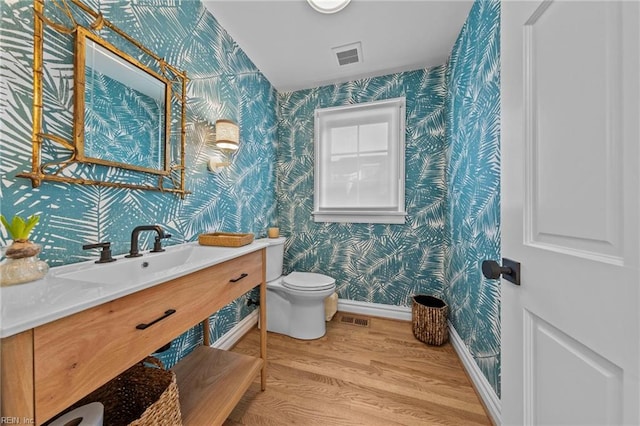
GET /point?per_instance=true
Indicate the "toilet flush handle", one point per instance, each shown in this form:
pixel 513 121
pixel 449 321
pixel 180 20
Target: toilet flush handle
pixel 235 280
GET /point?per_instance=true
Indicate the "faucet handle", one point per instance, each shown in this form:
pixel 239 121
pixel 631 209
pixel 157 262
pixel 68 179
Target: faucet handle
pixel 105 253
pixel 157 245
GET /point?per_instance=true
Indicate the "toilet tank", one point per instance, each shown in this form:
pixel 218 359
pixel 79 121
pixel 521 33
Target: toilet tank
pixel 275 257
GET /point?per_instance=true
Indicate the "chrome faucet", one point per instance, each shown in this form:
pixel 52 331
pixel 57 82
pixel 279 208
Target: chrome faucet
pixel 157 246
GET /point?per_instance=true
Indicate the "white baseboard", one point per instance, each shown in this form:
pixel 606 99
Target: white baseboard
pixel 375 309
pixel 484 389
pixel 232 336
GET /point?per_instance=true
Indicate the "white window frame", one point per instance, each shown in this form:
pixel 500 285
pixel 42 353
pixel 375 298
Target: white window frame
pixel 394 215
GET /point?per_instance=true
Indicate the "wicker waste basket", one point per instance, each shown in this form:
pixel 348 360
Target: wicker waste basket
pixel 144 395
pixel 429 315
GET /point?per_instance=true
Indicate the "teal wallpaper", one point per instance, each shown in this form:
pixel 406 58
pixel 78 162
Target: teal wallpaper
pixel 224 83
pixel 473 185
pixel 370 262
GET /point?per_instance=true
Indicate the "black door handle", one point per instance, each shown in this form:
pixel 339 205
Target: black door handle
pixel 510 270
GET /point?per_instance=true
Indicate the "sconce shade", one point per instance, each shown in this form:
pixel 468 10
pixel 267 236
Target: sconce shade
pixel 227 135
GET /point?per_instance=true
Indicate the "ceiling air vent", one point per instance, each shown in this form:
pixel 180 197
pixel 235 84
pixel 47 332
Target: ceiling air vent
pixel 348 54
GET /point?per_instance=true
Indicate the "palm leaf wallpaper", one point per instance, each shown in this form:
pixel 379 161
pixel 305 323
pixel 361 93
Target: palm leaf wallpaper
pixel 473 181
pixel 452 166
pixel 370 262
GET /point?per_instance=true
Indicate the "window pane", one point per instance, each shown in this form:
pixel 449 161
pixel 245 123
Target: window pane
pixel 344 139
pixel 374 137
pixel 340 181
pixel 375 183
pixel 359 171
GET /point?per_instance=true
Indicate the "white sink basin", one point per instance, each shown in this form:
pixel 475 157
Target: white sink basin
pixel 175 261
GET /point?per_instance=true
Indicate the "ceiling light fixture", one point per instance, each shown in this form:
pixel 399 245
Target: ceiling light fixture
pixel 328 6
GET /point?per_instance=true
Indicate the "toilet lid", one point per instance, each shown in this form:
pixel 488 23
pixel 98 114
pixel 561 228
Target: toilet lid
pixel 308 281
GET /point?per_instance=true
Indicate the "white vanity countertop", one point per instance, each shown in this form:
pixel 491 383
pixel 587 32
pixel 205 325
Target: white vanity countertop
pixel 25 306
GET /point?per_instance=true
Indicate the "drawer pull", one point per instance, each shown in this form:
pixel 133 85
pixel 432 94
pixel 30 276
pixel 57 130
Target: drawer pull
pixel 235 280
pixel 166 314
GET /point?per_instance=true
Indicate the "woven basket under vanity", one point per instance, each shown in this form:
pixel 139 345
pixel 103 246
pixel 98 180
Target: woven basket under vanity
pixel 429 315
pixel 144 395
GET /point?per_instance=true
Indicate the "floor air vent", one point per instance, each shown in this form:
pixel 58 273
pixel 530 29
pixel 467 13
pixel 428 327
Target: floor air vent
pixel 361 322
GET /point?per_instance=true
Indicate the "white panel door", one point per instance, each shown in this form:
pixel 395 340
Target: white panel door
pixel 570 193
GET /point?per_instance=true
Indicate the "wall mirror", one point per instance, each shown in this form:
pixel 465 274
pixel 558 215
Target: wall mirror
pixel 129 105
pixel 121 108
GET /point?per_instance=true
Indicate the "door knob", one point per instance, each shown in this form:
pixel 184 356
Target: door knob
pixel 510 270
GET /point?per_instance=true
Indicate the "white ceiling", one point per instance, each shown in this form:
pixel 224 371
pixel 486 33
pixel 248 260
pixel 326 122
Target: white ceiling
pixel 291 43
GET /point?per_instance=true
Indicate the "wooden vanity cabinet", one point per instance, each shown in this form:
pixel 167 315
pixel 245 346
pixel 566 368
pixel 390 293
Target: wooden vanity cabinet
pixel 54 365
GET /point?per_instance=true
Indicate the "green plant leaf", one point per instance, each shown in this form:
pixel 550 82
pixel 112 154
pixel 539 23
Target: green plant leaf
pixel 19 229
pixel 5 223
pixel 31 223
pixel 17 225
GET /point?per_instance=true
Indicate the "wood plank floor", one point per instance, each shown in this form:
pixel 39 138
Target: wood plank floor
pixel 376 375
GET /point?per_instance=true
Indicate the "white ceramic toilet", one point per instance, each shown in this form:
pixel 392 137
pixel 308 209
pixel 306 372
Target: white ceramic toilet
pixel 295 302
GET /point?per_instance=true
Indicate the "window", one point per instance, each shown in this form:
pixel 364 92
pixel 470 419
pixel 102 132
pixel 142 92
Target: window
pixel 359 163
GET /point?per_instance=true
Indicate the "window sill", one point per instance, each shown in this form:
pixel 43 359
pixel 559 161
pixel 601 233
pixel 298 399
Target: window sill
pixel 396 218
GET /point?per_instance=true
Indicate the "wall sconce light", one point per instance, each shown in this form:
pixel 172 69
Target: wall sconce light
pixel 226 138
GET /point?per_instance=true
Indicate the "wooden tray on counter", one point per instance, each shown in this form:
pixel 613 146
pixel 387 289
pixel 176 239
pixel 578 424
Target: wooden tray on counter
pixel 225 239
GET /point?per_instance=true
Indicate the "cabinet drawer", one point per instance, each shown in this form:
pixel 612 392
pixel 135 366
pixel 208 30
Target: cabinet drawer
pixel 79 353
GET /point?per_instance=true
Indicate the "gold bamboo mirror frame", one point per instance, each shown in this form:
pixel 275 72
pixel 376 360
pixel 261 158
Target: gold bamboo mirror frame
pixel 153 159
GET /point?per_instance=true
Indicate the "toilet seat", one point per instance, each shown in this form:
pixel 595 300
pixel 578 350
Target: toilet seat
pixel 308 281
